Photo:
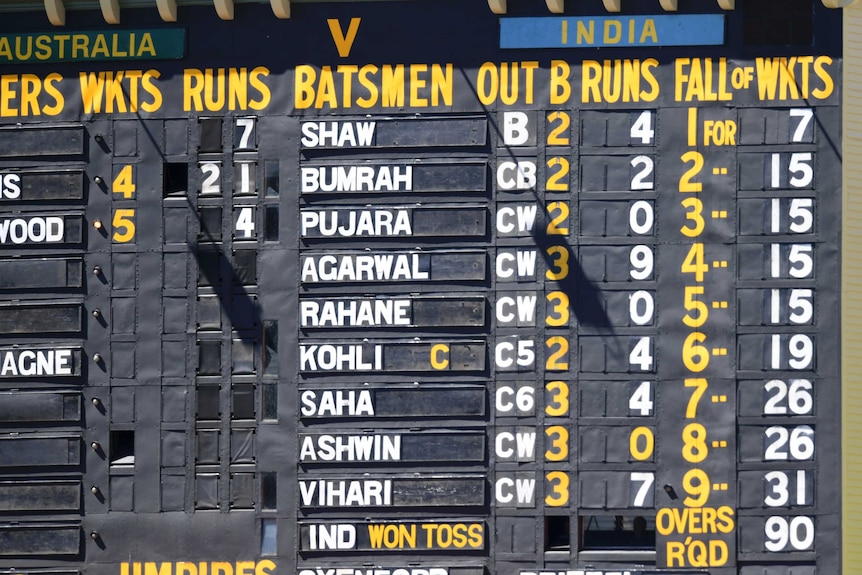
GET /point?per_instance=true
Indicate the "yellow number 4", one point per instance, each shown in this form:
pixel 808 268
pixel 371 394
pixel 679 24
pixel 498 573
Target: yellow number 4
pixel 124 183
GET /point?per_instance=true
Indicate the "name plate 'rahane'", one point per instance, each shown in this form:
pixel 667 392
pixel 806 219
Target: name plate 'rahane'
pixel 414 311
pixel 364 312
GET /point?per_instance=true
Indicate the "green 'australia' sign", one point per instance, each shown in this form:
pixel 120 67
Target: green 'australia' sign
pixel 162 44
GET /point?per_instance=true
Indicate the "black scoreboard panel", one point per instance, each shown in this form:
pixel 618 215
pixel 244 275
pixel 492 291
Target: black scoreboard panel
pixel 410 288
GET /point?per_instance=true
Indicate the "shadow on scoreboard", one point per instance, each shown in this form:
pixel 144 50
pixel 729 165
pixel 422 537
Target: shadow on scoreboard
pixel 228 280
pixel 589 309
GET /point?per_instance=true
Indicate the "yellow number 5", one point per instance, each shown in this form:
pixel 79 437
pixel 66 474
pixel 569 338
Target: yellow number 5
pixel 124 225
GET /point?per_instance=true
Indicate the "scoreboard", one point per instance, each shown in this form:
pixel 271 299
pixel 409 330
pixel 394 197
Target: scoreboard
pixel 414 288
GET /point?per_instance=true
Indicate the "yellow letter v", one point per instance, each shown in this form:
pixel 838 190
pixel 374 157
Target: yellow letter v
pixel 344 42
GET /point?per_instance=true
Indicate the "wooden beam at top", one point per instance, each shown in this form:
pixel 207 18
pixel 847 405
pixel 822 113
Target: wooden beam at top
pixel 167 10
pixel 281 8
pixel 612 5
pixel 839 3
pixel 224 9
pixel 669 5
pixel 110 11
pixel 556 6
pixel 56 12
pixel 497 6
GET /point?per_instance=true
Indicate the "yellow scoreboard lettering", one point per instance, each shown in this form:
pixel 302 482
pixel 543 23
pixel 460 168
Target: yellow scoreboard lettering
pixel 29 95
pixel 120 91
pixel 262 567
pixel 426 535
pixel 221 89
pixel 371 85
pixel 622 80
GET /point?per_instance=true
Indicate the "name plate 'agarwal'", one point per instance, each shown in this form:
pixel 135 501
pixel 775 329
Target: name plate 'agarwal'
pixel 386 266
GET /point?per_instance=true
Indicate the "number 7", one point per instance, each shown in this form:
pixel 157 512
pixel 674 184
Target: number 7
pixel 646 482
pixel 247 125
pixel 804 115
pixel 699 384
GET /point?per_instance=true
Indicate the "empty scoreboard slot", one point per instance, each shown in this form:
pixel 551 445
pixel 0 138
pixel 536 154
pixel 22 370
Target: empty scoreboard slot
pixel 270 223
pixel 271 179
pixel 47 406
pixel 210 135
pixel 41 273
pixel 40 540
pixel 269 490
pixel 36 496
pixel 269 402
pixel 557 533
pixel 209 357
pixel 121 450
pixel 24 319
pixel 269 347
pixel 39 451
pixel 617 532
pixel 21 142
